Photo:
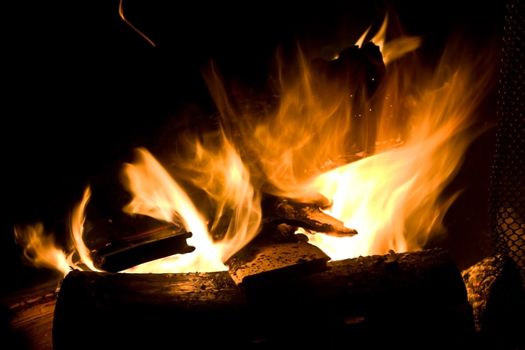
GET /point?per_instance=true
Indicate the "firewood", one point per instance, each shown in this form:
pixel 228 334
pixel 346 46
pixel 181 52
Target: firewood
pixel 27 316
pixel 373 300
pixel 130 255
pixel 275 261
pixel 122 243
pixel 306 215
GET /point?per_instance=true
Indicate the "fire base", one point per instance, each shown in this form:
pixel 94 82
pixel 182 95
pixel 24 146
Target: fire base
pixel 372 300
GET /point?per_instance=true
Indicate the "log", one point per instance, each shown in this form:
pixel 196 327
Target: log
pixel 26 317
pixel 275 261
pixel 132 240
pixel 373 300
pixel 306 215
pixel 132 254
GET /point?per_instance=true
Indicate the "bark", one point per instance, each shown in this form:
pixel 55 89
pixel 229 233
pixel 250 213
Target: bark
pixel 369 300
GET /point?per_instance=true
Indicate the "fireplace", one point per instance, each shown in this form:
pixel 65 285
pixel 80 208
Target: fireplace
pixel 270 178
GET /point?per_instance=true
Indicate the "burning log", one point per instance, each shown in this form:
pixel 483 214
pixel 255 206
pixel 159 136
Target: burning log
pixel 373 299
pixel 135 240
pixel 306 215
pixel 132 254
pixel 276 261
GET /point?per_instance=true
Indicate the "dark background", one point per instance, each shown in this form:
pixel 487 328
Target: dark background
pixel 81 89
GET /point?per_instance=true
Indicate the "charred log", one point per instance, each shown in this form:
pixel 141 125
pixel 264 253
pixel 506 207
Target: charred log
pixel 135 240
pixel 127 256
pixel 365 300
pixel 306 215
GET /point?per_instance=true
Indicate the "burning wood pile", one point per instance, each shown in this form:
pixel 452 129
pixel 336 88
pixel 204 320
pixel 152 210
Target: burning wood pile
pixel 347 164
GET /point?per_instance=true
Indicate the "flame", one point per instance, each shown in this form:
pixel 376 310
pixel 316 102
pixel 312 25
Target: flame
pixel 362 38
pixel 393 198
pixel 379 38
pixel 217 168
pixel 397 48
pixel 408 126
pixel 158 195
pixel 40 248
pixel 281 149
pixel 76 226
pixel 393 49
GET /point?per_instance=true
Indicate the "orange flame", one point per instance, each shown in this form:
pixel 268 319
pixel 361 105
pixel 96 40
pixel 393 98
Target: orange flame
pixel 379 38
pixel 217 168
pixel 76 226
pixel 392 198
pixel 40 248
pixel 417 122
pixel 156 194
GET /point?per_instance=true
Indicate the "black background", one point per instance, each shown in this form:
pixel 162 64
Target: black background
pixel 80 89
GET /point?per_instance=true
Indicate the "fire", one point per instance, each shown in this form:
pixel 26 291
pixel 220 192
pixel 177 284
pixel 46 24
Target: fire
pixel 215 167
pixel 76 225
pixel 379 141
pixel 40 248
pixel 158 195
pixel 393 198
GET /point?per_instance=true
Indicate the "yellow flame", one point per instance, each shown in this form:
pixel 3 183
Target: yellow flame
pixel 76 226
pixel 391 198
pixel 285 148
pixel 299 148
pixel 362 38
pixel 379 38
pixel 40 248
pixel 393 49
pixel 216 167
pixel 157 194
pixel 397 48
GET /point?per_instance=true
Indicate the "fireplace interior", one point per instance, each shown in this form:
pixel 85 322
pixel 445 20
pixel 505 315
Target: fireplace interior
pixel 93 86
